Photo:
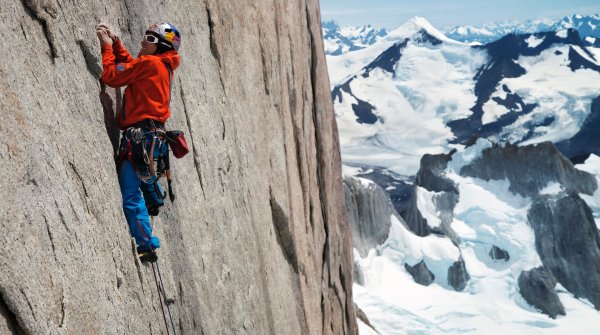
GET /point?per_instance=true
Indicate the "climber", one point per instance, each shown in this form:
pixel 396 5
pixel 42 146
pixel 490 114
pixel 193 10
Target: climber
pixel 145 109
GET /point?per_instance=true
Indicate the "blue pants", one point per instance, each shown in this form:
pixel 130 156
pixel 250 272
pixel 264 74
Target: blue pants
pixel 134 206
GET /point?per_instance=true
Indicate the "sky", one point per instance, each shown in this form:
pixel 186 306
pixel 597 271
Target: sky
pixel 447 13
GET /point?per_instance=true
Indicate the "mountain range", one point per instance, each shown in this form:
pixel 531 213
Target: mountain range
pixel 487 225
pixel 339 40
pixel 587 26
pixel 426 93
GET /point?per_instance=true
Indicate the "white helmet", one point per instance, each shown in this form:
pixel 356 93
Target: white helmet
pixel 167 33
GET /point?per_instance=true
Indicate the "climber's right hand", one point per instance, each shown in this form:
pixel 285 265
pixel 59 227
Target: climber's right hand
pixel 103 35
pixel 109 31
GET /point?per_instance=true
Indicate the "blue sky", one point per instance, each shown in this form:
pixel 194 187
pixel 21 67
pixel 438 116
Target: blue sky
pixel 442 13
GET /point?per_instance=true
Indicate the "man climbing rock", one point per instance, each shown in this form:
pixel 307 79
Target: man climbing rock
pixel 143 152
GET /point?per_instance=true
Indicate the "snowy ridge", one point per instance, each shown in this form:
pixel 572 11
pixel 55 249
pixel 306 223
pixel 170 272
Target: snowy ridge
pixel 415 26
pixel 343 65
pixel 340 40
pixel 488 215
pixel 425 93
pixel 586 26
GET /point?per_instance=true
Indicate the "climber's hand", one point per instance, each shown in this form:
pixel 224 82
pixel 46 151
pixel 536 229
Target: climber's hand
pixel 103 35
pixel 109 31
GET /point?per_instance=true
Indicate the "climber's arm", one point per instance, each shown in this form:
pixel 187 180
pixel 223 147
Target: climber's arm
pixel 120 52
pixel 121 74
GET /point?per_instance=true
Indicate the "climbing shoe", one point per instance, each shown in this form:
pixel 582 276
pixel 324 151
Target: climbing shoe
pixel 148 256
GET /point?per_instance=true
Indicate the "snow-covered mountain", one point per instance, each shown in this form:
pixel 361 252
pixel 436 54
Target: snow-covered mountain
pixel 426 93
pixel 587 26
pixel 501 239
pixel 339 40
pixel 479 235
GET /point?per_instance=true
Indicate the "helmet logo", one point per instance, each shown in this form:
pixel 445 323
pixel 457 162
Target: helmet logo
pixel 169 36
pixel 168 33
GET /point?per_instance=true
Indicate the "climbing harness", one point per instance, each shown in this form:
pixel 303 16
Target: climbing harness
pixel 144 144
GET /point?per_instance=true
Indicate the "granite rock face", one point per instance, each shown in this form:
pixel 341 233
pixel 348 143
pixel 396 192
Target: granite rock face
pixel 566 238
pixel 369 213
pixel 257 241
pixel 537 287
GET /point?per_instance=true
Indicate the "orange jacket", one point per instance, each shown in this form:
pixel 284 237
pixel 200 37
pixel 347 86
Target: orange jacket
pixel 148 84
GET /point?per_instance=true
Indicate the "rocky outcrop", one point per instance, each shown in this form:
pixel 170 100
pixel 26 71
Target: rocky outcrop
pixel 359 277
pixel 458 277
pixel 566 238
pixel 399 188
pixel 530 169
pixel 430 177
pixel 420 273
pixel 537 287
pixel 369 213
pixel 362 316
pixel 257 241
pixel 496 253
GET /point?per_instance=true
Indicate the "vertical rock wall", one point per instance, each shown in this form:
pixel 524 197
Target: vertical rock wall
pixel 256 241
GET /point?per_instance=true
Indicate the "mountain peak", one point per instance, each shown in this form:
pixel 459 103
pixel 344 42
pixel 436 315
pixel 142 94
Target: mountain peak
pixel 414 26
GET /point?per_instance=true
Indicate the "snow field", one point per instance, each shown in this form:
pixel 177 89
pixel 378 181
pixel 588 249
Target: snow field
pixel 487 214
pixel 558 92
pixel 413 103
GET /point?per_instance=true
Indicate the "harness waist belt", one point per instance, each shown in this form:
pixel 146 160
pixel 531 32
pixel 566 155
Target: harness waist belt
pixel 148 124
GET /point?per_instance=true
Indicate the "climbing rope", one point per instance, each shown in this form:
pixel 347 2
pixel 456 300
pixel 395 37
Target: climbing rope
pixel 158 288
pixel 162 296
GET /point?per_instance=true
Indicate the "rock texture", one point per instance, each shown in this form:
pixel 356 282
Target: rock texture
pixel 257 240
pixel 497 253
pixel 530 169
pixel 458 277
pixel 420 273
pixel 537 287
pixel 566 238
pixel 566 235
pixel 362 316
pixel 369 213
pixel 430 177
pixel 399 188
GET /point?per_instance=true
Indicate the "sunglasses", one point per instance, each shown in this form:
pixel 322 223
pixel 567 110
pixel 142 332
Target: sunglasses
pixel 151 39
